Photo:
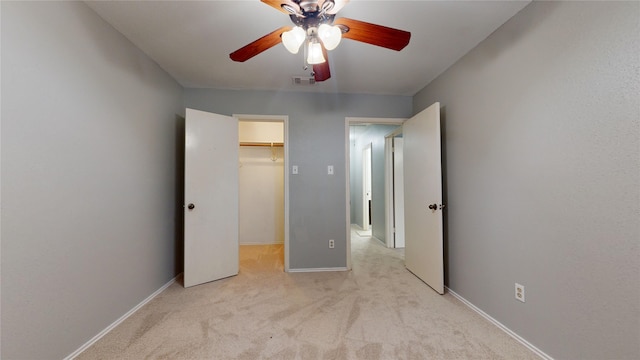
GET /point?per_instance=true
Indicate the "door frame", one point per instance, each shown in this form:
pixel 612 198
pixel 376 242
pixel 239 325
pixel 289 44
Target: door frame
pixel 347 161
pixel 285 120
pixel 389 178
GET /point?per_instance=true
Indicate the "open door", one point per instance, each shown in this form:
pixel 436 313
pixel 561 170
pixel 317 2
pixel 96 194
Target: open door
pixel 424 251
pixel 211 197
pixel 366 187
pixel 398 192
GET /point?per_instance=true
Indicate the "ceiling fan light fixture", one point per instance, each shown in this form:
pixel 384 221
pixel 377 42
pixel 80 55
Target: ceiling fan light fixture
pixel 315 53
pixel 330 36
pixel 292 39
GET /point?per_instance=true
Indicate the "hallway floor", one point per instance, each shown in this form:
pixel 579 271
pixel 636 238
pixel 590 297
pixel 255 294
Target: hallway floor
pixel 378 310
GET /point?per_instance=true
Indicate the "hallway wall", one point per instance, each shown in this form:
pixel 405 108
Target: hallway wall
pixel 374 135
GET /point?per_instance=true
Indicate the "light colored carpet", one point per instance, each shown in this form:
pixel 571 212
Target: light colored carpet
pixel 376 311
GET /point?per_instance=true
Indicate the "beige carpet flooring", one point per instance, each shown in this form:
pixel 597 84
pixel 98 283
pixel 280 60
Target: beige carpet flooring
pixel 376 311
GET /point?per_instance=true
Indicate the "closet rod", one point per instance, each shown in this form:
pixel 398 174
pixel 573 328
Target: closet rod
pixel 261 144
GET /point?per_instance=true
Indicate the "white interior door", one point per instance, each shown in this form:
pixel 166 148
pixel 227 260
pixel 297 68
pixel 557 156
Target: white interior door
pixel 211 197
pixel 389 201
pixel 366 187
pixel 398 191
pixel 424 255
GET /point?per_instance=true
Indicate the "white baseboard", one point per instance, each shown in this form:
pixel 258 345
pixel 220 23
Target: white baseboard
pixel 119 321
pixel 318 269
pixel 495 322
pixel 380 241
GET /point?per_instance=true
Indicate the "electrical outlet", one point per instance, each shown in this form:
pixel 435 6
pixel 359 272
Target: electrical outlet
pixel 519 292
pixel 332 244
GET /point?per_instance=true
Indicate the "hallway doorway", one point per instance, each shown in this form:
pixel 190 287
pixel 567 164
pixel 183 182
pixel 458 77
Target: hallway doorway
pixel 365 139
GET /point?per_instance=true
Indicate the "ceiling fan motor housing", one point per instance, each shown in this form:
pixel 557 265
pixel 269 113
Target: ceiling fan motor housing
pixel 312 5
pixel 313 19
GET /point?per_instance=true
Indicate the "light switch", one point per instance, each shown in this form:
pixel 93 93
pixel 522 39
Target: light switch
pixel 330 169
pixel 294 169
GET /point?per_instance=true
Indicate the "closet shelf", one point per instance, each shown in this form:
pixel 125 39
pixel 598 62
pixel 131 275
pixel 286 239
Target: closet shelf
pixel 266 144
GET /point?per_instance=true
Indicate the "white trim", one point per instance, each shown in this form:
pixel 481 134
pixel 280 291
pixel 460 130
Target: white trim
pixel 495 322
pixel 378 240
pixel 389 187
pixel 388 192
pixel 263 118
pixel 120 320
pixel 286 193
pixel 318 269
pixel 285 120
pixel 347 172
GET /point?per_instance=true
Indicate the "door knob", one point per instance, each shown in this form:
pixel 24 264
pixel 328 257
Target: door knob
pixel 190 206
pixel 433 207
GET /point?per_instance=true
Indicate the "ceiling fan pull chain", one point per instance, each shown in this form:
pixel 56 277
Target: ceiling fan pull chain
pixel 305 65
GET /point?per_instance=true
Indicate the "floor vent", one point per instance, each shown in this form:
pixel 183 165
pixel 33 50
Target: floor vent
pixel 303 80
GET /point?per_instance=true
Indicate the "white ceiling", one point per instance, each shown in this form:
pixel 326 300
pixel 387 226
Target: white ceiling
pixel 192 40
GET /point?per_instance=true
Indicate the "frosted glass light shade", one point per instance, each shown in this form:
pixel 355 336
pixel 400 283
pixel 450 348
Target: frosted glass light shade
pixel 293 38
pixel 330 36
pixel 315 53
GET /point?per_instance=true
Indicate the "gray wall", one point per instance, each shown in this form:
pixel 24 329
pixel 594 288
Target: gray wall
pixel 374 135
pixel 316 139
pixel 542 124
pixel 88 177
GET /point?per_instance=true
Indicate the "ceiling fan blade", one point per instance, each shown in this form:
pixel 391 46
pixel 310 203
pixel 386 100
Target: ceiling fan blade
pixel 277 4
pixel 252 49
pixel 339 4
pixel 321 72
pixel 374 34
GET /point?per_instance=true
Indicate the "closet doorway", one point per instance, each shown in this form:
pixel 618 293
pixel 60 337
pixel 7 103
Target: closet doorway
pixel 262 193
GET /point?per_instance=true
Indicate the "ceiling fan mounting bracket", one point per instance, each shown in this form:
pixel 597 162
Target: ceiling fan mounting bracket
pixel 308 5
pixel 313 19
pixel 343 28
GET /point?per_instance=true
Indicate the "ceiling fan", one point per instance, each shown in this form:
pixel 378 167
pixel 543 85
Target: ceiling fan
pixel 316 25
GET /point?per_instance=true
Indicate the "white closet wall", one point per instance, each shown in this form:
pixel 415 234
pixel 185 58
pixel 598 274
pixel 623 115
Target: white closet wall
pixel 261 207
pixel 261 131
